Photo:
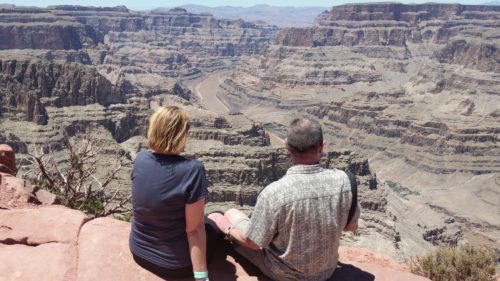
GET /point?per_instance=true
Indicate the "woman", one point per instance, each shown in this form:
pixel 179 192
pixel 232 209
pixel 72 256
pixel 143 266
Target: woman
pixel 168 198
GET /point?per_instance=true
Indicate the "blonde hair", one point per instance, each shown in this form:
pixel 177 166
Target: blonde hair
pixel 168 129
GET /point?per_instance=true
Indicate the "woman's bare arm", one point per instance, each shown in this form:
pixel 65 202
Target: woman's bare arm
pixel 195 230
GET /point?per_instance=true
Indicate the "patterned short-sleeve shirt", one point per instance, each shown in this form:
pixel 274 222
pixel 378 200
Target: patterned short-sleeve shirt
pixel 298 221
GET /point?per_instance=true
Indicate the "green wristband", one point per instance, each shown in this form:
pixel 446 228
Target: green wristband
pixel 200 274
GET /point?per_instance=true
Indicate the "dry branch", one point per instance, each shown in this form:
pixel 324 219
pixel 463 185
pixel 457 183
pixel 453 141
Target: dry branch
pixel 74 180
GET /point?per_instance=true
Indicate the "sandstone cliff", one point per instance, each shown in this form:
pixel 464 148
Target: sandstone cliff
pixel 73 248
pixel 173 43
pixel 70 246
pixel 413 87
pixel 28 87
pixel 388 24
pixel 367 80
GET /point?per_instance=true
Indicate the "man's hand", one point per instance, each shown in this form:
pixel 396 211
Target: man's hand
pixel 223 222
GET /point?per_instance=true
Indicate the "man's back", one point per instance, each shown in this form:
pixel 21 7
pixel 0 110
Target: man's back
pixel 298 220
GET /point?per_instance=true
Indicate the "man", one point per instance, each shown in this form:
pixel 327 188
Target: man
pixel 295 228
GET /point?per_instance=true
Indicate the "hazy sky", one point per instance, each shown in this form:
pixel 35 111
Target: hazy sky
pixel 149 4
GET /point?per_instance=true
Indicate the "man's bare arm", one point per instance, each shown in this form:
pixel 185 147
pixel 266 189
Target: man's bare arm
pixel 226 224
pixel 353 224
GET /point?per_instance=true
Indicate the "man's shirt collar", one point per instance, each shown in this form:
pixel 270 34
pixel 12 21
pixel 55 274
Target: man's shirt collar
pixel 304 169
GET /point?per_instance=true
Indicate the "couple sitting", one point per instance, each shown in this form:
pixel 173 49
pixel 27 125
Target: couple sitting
pixel 295 227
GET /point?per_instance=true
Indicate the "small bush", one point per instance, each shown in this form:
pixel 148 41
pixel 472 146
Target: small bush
pixel 401 190
pixel 125 217
pixel 74 181
pixel 461 263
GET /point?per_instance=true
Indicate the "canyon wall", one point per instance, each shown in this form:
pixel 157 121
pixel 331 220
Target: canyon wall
pixel 368 77
pixel 372 69
pixel 412 87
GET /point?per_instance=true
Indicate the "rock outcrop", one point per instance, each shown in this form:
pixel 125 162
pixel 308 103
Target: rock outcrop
pixel 172 43
pixel 7 160
pixel 367 72
pixel 16 192
pixel 413 87
pixel 388 24
pixel 33 28
pixel 479 55
pixel 29 87
pixel 71 247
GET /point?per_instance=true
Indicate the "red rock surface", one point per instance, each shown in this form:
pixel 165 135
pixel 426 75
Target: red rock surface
pixel 56 243
pixel 33 227
pixel 51 261
pixel 19 193
pixel 15 192
pixel 7 160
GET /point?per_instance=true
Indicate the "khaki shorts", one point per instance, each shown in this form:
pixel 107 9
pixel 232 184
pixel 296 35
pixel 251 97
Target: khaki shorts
pixel 257 257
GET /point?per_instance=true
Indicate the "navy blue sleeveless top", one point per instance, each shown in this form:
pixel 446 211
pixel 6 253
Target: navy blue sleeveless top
pixel 161 187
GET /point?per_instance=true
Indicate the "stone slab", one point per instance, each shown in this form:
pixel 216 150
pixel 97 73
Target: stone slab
pixel 7 160
pixel 46 262
pixel 104 253
pixel 40 225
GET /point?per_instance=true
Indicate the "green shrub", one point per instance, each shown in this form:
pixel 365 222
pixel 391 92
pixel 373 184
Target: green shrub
pixel 460 263
pixel 401 190
pixel 125 217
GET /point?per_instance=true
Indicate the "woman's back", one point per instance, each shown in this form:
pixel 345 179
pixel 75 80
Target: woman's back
pixel 162 184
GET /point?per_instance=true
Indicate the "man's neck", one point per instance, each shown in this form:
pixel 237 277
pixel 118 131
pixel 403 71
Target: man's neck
pixel 305 161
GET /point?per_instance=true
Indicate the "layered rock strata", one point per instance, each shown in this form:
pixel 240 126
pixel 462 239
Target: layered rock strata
pixel 413 87
pixel 28 87
pixel 173 43
pixel 130 63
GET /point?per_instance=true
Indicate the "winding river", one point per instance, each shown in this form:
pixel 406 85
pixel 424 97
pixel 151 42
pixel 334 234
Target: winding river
pixel 207 90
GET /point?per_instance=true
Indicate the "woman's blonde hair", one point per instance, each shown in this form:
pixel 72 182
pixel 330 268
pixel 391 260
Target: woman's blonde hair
pixel 168 129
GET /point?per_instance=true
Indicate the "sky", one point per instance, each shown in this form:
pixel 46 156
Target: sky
pixel 150 4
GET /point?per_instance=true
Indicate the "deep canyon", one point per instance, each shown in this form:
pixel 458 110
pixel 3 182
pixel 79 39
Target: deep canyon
pixel 408 95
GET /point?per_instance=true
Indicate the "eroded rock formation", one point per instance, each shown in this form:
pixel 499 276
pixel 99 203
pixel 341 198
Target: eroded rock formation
pixel 413 87
pixel 368 78
pixel 73 248
pixel 173 43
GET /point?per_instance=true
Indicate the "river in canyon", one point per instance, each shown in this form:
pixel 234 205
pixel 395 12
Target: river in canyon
pixel 207 90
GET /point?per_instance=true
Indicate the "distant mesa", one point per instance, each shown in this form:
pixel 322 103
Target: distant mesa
pixel 121 8
pixel 178 10
pixel 274 15
pixel 492 3
pixel 169 11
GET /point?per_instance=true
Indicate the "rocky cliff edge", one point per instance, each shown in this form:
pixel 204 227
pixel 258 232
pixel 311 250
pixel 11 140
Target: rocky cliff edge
pixel 40 241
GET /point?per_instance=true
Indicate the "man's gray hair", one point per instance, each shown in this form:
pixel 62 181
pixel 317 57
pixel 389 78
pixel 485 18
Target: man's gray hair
pixel 304 134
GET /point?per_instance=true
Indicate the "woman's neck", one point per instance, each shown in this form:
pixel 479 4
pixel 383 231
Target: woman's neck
pixel 166 153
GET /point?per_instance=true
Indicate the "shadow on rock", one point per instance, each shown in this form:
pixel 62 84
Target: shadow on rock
pixel 348 272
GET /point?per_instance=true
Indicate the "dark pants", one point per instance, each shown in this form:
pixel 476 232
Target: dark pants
pixel 214 237
pixel 163 272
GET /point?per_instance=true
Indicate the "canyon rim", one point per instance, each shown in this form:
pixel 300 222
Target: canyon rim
pixel 409 96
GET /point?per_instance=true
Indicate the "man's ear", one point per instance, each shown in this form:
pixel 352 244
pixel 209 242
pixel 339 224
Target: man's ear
pixel 288 147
